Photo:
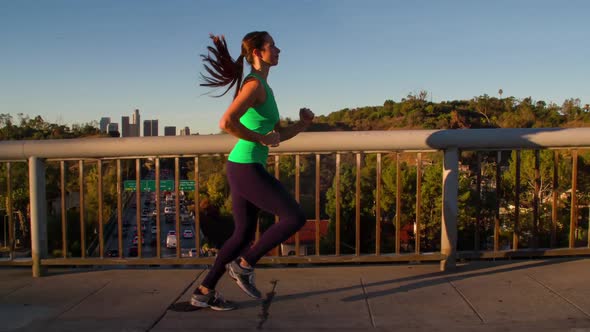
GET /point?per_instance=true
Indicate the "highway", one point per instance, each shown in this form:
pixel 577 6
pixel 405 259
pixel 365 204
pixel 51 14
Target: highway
pixel 147 208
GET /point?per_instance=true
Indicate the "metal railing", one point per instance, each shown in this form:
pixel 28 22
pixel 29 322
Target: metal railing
pixel 379 143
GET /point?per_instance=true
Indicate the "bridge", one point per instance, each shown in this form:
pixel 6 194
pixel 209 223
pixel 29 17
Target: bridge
pixel 374 250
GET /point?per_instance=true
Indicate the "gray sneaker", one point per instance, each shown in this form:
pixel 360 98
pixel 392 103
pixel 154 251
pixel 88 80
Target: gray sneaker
pixel 213 300
pixel 244 278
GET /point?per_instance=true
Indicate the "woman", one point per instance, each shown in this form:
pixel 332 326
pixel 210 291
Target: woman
pixel 252 117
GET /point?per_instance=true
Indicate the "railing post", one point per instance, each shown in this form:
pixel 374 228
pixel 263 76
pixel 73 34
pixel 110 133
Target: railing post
pixel 38 202
pixel 450 191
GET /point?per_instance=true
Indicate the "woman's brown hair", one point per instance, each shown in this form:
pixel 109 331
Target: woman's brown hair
pixel 222 68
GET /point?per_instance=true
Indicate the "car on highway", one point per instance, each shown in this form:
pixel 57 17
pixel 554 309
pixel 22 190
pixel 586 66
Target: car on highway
pixel 188 234
pixel 192 252
pixel 112 253
pixel 154 230
pixel 171 240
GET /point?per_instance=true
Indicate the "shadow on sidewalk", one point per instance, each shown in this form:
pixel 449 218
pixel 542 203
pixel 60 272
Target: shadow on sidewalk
pixel 467 271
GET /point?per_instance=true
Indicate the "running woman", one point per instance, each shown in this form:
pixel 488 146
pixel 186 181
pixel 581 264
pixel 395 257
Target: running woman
pixel 252 117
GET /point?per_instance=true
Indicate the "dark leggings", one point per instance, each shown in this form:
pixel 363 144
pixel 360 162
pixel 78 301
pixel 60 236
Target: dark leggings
pixel 252 189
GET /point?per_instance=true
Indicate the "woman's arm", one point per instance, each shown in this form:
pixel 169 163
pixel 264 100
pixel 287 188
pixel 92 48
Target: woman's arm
pixel 248 96
pixel 305 118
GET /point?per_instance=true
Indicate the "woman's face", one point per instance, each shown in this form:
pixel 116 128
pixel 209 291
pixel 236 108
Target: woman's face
pixel 269 53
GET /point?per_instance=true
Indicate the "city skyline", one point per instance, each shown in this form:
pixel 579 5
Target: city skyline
pixel 135 129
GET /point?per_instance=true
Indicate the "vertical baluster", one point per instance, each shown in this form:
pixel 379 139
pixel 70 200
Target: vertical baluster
pixel 82 223
pixel 478 204
pixel 138 207
pixel 516 233
pixel 100 214
pixel 357 218
pixel 11 226
pixel 297 198
pixel 119 209
pixel 158 207
pixel 398 203
pixel 196 211
pixel 276 250
pixel 418 202
pixel 317 204
pixel 337 204
pixel 536 200
pixel 574 201
pixel 554 200
pixel 177 204
pixel 64 212
pixel 378 207
pixel 497 202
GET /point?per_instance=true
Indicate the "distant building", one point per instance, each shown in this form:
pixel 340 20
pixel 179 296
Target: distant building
pixel 124 126
pixel 185 131
pixel 132 130
pixel 113 126
pixel 150 128
pixel 136 120
pixel 155 131
pixel 104 124
pixel 113 129
pixel 170 131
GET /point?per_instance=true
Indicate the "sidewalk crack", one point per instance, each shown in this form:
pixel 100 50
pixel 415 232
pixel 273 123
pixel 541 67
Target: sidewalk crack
pixel 368 304
pixel 467 301
pixel 266 305
pixel 559 295
pixel 190 284
pixel 82 300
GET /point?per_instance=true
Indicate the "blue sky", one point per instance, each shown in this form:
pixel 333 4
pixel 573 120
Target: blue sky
pixel 74 61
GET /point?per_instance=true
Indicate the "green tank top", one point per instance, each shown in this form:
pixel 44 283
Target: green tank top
pixel 261 119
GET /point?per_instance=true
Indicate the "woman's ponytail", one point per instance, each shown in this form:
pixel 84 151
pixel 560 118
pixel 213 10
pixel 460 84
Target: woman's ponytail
pixel 222 68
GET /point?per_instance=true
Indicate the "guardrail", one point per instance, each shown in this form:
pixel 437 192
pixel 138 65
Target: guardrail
pixel 450 142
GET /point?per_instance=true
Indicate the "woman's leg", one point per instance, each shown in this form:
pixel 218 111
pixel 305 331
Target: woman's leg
pixel 267 193
pixel 245 216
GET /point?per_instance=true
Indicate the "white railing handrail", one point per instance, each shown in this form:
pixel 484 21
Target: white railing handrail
pixel 466 139
pixel 450 141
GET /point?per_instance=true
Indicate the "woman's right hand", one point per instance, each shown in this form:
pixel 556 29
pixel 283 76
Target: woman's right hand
pixel 272 139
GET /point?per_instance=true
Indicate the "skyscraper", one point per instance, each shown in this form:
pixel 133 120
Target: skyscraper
pixel 132 129
pixel 170 131
pixel 113 128
pixel 147 128
pixel 185 131
pixel 125 126
pixel 136 119
pixel 150 127
pixel 104 124
pixel 155 127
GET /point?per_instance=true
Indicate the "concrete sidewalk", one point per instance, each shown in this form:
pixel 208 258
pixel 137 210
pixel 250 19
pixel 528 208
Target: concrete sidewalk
pixel 516 295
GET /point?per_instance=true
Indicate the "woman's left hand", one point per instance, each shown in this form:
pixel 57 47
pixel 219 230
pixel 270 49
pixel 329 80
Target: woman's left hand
pixel 306 115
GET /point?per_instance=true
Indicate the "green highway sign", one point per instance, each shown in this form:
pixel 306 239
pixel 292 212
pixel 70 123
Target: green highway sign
pixel 148 185
pixel 165 185
pixel 187 185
